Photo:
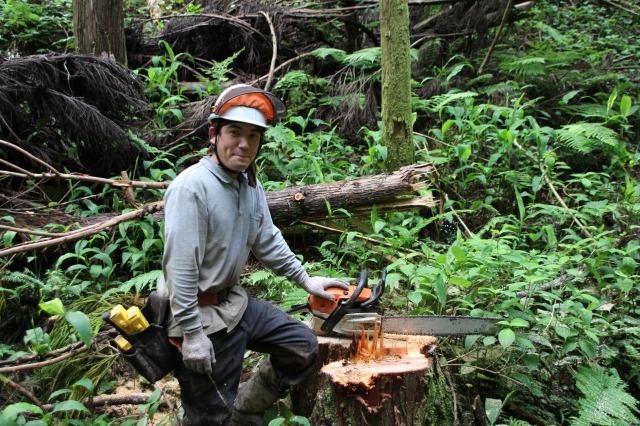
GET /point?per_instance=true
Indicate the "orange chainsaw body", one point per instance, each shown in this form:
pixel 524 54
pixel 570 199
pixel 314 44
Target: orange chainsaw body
pixel 320 305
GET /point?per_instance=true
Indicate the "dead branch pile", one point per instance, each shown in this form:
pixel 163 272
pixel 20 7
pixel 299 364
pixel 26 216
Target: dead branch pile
pixel 70 111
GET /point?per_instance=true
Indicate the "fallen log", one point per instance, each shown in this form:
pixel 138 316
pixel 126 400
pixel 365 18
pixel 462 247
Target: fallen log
pixel 389 191
pixel 316 202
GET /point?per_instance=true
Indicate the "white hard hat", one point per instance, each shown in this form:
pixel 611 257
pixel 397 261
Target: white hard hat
pixel 245 114
pixel 248 104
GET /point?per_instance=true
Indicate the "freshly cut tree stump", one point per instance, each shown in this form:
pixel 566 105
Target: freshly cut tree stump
pixel 401 385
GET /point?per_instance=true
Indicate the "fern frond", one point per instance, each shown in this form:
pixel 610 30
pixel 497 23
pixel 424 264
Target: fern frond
pixel 502 87
pixel 585 137
pixel 527 67
pixel 436 103
pixel 552 32
pixel 517 177
pixel 296 296
pixel 588 110
pixel 364 57
pixel 293 78
pixel 140 282
pixel 260 275
pixel 24 279
pixel 517 422
pixel 323 52
pixel 328 256
pixel 605 401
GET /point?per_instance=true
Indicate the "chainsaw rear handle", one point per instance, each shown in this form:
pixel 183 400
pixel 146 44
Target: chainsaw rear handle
pixel 334 318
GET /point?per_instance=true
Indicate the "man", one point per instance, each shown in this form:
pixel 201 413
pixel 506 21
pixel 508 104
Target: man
pixel 216 213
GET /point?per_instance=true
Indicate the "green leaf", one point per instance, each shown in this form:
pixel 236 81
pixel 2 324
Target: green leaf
pixel 470 340
pixel 625 106
pixel 441 290
pixel 70 405
pixel 506 337
pixel 531 361
pixel 59 392
pixel 489 340
pixel 53 307
pixel 562 330
pixel 80 321
pixel 519 322
pixel 303 421
pixel 414 297
pixel 21 407
pixel 85 382
pixel 8 238
pixel 492 408
pixel 588 347
pixel 459 253
pixel 460 282
pixel 378 226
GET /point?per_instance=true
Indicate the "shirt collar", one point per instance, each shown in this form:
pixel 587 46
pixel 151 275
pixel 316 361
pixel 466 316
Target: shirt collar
pixel 217 171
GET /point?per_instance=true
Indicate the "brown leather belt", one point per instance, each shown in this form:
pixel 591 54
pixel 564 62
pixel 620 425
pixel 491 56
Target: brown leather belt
pixel 214 298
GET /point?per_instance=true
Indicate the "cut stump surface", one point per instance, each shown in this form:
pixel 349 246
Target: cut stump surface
pixel 395 388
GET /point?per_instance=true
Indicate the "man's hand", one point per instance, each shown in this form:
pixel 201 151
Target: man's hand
pixel 318 285
pixel 197 352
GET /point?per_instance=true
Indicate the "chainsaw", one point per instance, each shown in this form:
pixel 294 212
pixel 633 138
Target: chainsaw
pixel 358 310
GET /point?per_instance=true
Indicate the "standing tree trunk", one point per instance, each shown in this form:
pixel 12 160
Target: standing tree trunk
pixel 397 123
pixel 98 28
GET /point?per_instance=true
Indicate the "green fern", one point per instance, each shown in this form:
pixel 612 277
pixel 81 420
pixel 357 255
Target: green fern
pixel 436 103
pixel 556 35
pixel 328 256
pixel 528 67
pixel 323 52
pixel 589 110
pixel 517 422
pixel 366 57
pixel 605 401
pixel 587 137
pixel 140 282
pixel 516 177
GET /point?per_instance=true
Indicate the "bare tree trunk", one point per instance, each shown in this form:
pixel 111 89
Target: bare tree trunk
pixel 98 28
pixel 397 123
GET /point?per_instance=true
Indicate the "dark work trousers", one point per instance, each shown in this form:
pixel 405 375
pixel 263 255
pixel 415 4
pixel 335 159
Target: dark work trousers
pixel 292 349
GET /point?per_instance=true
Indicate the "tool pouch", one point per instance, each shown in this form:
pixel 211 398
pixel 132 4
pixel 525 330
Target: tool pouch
pixel 151 353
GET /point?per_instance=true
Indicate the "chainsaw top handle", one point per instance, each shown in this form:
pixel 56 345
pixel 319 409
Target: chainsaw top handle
pixel 343 305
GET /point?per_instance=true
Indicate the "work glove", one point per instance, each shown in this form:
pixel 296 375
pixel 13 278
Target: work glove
pixel 197 352
pixel 318 285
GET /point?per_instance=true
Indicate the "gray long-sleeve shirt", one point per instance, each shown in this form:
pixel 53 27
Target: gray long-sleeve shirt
pixel 212 222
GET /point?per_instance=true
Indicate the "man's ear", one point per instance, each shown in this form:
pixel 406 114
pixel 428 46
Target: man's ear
pixel 212 132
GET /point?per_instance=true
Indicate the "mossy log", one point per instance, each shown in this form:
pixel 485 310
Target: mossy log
pixel 404 386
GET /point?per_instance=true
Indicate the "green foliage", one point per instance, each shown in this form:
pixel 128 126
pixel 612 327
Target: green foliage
pixel 281 415
pixel 605 400
pixel 586 137
pixel 301 91
pixel 34 27
pixel 305 158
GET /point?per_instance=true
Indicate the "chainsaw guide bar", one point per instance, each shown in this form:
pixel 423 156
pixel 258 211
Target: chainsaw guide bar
pixel 357 310
pixel 439 325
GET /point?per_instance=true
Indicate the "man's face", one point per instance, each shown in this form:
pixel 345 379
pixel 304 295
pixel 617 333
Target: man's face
pixel 237 144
